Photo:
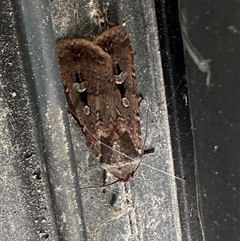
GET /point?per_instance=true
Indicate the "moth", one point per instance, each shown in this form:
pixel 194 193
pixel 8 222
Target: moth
pixel 101 89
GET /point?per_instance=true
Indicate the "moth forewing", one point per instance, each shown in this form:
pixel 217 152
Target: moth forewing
pixel 101 89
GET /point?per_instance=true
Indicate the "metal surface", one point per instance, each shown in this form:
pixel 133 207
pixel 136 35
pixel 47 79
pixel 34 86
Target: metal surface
pixel 38 152
pixel 44 159
pixel 211 39
pixel 25 207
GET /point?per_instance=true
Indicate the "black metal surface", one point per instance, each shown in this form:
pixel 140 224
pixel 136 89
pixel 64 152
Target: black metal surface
pixel 174 73
pixel 210 33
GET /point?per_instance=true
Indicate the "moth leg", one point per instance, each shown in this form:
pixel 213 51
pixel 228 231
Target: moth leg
pixel 114 195
pixel 104 179
pixel 140 98
pixel 113 199
pixel 148 151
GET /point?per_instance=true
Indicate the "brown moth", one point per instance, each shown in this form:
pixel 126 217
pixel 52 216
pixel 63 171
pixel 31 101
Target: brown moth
pixel 101 89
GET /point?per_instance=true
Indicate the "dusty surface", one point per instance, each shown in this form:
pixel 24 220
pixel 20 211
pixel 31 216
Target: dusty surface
pixel 146 208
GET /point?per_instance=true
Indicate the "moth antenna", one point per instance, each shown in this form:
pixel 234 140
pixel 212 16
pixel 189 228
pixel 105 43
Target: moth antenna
pixel 146 133
pixel 111 148
pixel 109 184
pixel 166 173
pixel 152 150
pixel 112 190
pixel 175 91
pixel 104 223
pixel 145 138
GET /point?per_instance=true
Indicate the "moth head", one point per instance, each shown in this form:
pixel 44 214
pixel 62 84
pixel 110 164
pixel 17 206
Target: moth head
pixel 124 170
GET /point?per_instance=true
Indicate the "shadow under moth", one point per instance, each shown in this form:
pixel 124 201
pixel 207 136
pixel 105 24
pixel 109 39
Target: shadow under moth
pixel 101 90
